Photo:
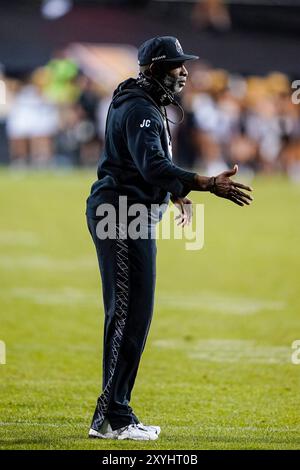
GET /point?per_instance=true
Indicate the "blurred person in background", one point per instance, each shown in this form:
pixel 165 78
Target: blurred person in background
pixel 216 116
pixel 77 99
pixel 211 15
pixel 290 160
pixel 4 106
pixel 271 118
pixel 88 104
pixel 32 122
pixel 62 89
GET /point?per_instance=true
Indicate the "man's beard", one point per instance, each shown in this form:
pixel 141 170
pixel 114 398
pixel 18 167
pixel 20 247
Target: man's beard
pixel 172 84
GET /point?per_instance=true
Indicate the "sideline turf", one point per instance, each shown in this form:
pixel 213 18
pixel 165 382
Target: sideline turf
pixel 216 372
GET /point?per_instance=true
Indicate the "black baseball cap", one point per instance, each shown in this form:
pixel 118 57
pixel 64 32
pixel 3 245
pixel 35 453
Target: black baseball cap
pixel 162 49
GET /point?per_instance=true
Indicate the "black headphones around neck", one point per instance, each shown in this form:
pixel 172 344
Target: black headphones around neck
pixel 152 76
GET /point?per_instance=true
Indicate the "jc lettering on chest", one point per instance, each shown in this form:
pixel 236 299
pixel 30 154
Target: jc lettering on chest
pixel 145 123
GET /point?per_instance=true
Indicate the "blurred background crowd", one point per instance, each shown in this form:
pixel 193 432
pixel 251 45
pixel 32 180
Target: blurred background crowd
pixel 238 102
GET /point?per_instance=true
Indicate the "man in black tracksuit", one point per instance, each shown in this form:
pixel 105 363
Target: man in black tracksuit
pixel 137 164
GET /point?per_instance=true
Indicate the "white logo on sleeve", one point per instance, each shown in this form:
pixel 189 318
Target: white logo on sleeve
pixel 146 123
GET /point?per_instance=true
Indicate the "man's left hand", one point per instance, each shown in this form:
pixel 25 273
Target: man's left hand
pixel 185 207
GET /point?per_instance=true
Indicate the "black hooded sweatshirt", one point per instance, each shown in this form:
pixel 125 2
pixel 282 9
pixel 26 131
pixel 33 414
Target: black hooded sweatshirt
pixel 136 160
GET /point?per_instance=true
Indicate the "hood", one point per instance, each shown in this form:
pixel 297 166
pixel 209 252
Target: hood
pixel 127 90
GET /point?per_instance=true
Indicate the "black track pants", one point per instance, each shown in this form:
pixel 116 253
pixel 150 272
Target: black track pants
pixel 128 271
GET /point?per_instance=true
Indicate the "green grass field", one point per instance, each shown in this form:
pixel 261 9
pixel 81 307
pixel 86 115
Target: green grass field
pixel 216 372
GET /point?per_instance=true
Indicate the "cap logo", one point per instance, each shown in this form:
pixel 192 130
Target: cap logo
pixel 159 57
pixel 178 47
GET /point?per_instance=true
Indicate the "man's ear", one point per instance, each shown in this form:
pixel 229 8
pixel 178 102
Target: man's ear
pixel 154 70
pixel 147 72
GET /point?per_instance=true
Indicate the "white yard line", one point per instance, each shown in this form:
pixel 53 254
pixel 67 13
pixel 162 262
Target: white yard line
pixel 229 351
pixel 64 296
pixel 218 302
pixel 204 302
pixel 20 238
pixel 54 425
pixel 45 262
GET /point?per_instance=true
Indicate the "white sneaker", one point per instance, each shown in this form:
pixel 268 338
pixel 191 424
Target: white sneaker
pixel 155 429
pixel 105 432
pixel 136 432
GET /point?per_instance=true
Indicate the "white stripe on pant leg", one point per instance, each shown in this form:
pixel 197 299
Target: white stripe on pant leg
pixel 121 311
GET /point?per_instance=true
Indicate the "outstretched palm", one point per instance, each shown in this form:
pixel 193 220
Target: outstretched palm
pixel 224 187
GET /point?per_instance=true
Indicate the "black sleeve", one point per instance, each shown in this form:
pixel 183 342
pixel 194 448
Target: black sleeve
pixel 144 145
